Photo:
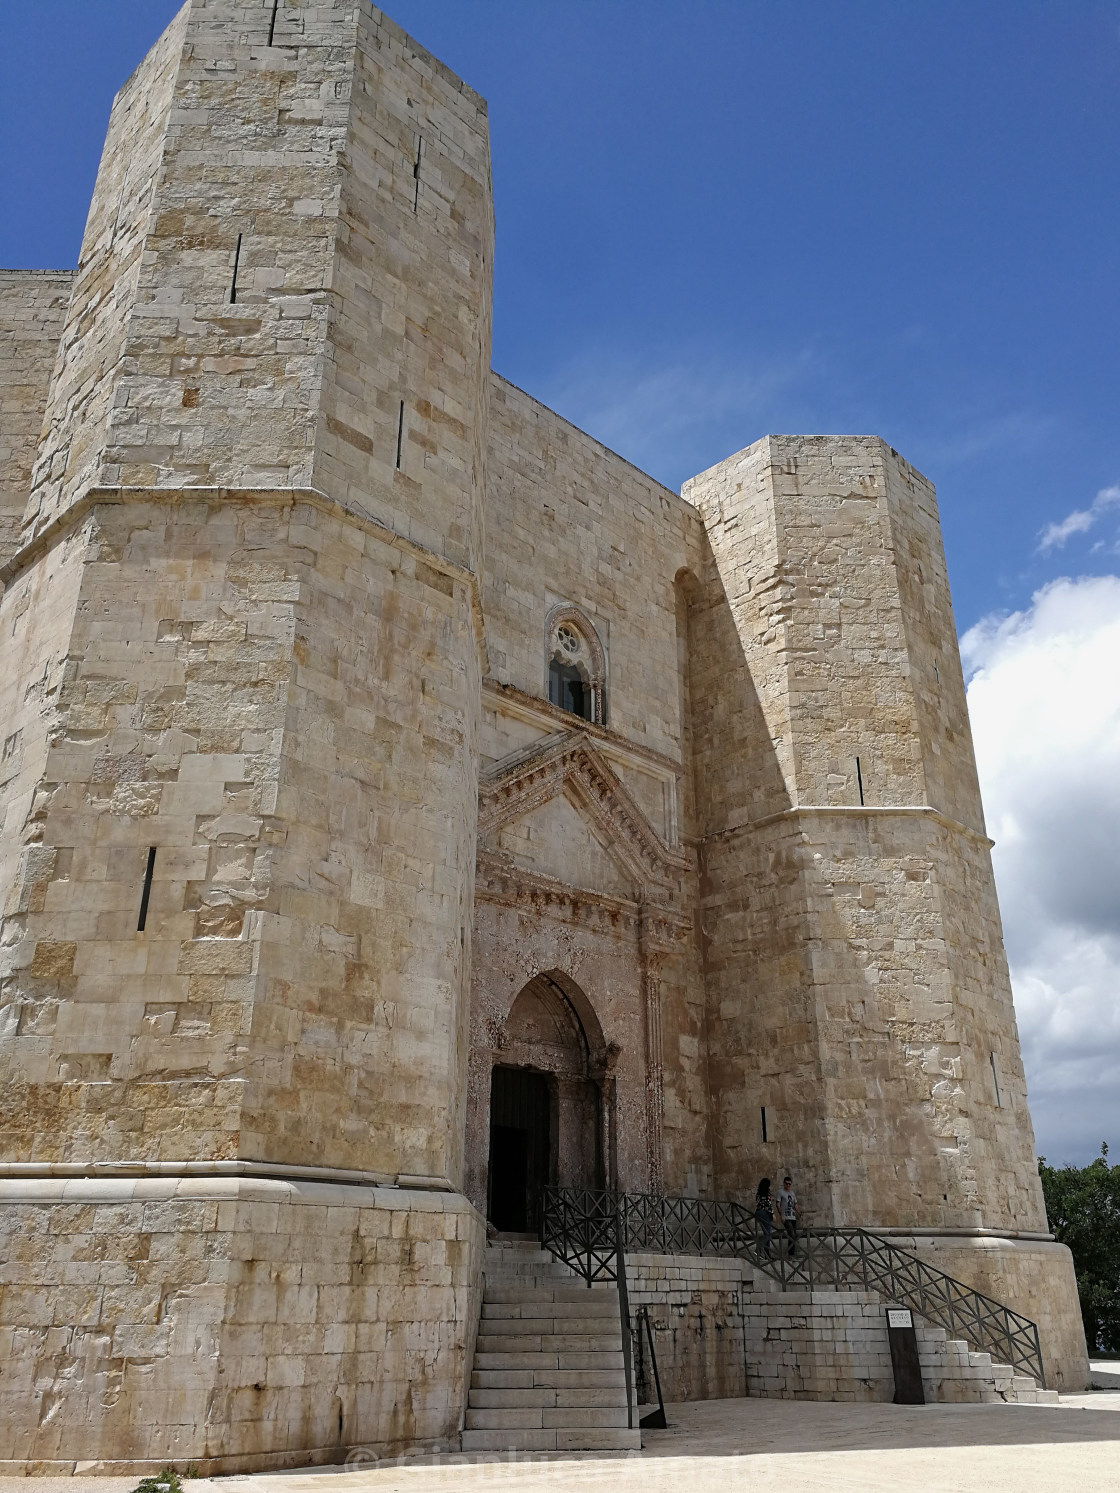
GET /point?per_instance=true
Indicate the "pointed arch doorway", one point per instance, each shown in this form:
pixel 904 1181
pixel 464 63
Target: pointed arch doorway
pixel 547 1109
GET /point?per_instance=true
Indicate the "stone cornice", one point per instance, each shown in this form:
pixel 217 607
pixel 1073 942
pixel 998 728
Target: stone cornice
pixel 536 711
pixel 61 524
pixel 274 1170
pixel 498 879
pixel 866 811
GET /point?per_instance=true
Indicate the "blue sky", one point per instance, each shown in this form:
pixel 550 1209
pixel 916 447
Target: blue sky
pixel 717 220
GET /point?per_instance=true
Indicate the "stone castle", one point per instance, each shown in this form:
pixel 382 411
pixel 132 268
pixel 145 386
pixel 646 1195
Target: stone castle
pixel 406 804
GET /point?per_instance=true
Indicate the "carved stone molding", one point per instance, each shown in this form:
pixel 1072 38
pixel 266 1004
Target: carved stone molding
pixel 568 763
pixel 654 928
pixel 655 1065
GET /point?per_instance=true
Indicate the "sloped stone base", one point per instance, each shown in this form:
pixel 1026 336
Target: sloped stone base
pixel 232 1323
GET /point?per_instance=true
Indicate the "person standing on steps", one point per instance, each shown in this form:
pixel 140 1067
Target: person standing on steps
pixel 764 1213
pixel 789 1212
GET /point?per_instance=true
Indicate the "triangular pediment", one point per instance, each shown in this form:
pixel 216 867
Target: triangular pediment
pixel 566 768
pixel 555 839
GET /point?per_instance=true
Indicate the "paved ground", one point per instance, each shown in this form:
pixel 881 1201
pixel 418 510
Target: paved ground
pixel 791 1447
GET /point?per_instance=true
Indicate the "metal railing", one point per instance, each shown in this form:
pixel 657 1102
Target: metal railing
pixel 584 1230
pixel 591 1231
pixel 654 1419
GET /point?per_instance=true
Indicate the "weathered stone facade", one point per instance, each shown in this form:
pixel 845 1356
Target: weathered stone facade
pixel 375 744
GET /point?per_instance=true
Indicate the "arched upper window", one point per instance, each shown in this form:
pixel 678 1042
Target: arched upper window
pixel 576 665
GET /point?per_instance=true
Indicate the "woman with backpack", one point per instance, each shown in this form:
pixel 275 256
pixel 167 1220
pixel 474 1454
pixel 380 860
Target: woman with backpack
pixel 764 1213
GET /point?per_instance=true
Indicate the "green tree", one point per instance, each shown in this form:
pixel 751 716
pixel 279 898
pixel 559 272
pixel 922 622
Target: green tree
pixel 1083 1206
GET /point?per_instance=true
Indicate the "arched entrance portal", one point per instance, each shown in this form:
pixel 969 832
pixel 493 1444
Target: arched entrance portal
pixel 546 1103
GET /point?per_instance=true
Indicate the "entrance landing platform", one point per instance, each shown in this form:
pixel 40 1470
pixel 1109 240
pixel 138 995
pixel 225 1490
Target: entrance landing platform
pixel 717 1446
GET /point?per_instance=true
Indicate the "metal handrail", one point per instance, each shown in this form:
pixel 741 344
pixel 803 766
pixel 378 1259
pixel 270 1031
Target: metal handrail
pixel 653 1420
pixel 590 1231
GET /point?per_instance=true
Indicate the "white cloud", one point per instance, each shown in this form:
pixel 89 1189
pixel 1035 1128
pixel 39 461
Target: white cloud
pixel 1044 698
pixel 1080 521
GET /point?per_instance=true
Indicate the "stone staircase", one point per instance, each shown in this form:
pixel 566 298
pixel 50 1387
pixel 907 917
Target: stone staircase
pixel 548 1370
pixel 979 1377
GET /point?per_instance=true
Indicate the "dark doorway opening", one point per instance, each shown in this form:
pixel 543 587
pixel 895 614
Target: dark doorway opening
pixel 520 1148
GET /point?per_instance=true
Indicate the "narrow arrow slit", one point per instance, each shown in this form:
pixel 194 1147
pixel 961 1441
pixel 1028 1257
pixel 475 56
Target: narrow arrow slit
pixel 995 1080
pixel 236 262
pixel 143 918
pixel 400 434
pixel 416 173
pixel 272 23
pixel 859 780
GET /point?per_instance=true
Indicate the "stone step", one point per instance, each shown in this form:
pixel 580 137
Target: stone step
pixel 508 1441
pixel 518 1271
pixel 534 1280
pixel 551 1342
pixel 599 1439
pixel 609 1398
pixel 591 1380
pixel 571 1286
pixel 501 1378
pixel 541 1303
pixel 525 1419
pixel 562 1322
pixel 583 1438
pixel 521 1331
pixel 512 1399
pixel 522 1259
pixel 597 1417
pixel 496 1362
pixel 531 1419
pixel 549 1362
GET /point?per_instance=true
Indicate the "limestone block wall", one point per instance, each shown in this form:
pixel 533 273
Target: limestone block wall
pixel 216 136
pixel 293 996
pixel 362 1047
pixel 857 978
pixel 212 652
pixel 121 1044
pixel 403 423
pixel 275 690
pixel 876 1072
pixel 291 257
pixel 833 1345
pixel 230 1322
pixel 568 520
pixel 93 346
pixel 36 620
pixel 695 1307
pixel 32 311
